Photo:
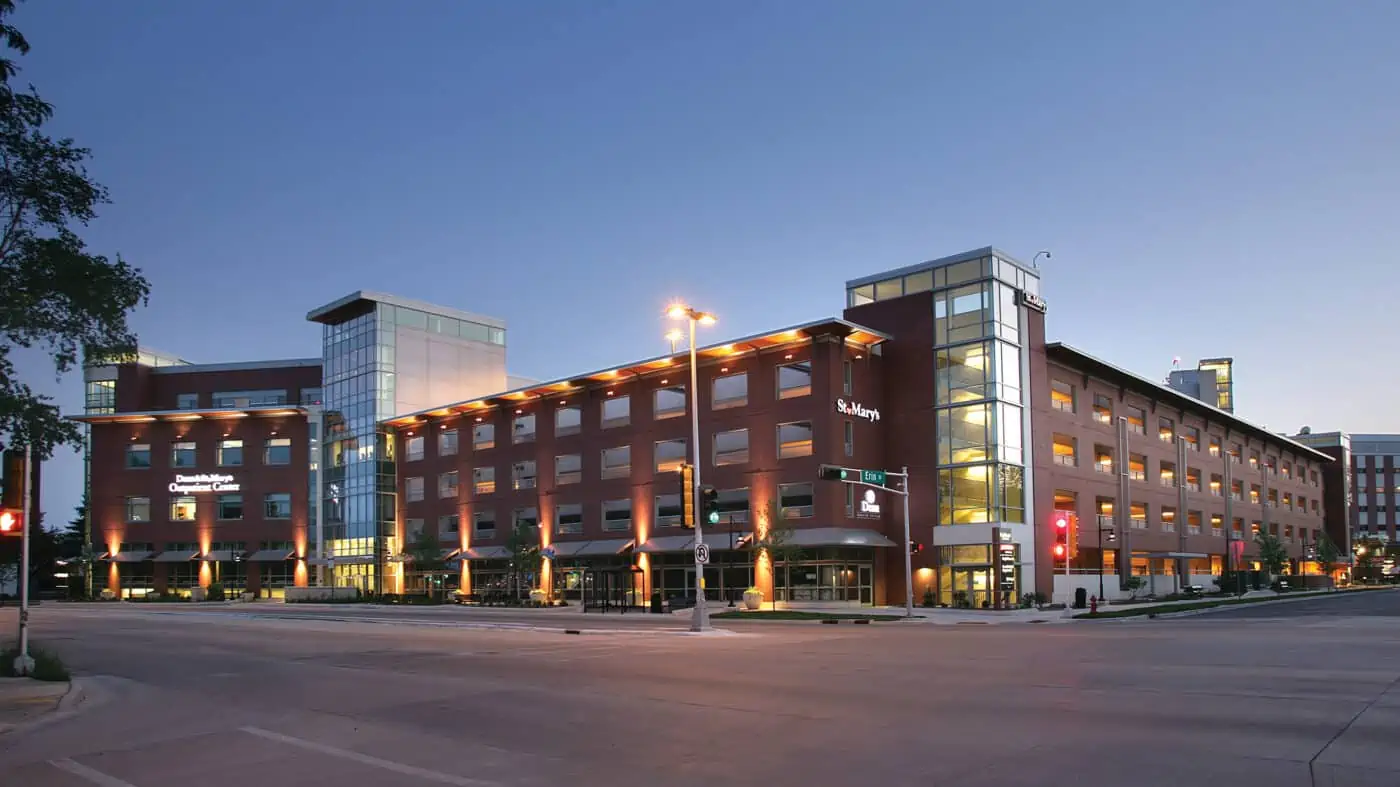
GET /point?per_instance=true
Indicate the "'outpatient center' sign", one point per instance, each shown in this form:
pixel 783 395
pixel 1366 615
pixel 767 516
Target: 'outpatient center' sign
pixel 204 482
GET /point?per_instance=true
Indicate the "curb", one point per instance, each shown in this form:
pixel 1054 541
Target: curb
pixel 67 707
pixel 1167 613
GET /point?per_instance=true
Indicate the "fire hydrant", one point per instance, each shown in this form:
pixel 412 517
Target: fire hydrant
pixel 1093 605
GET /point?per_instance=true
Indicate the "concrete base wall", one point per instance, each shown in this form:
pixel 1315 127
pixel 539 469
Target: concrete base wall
pixel 307 595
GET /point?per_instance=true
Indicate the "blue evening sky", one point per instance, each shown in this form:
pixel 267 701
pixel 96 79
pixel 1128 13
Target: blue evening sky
pixel 1213 177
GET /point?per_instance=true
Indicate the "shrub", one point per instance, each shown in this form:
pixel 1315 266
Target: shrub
pixel 216 592
pixel 47 665
pixel 928 597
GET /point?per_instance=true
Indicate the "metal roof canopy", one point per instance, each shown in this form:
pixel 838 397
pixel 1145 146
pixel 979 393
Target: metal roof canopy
pixel 271 555
pixel 176 556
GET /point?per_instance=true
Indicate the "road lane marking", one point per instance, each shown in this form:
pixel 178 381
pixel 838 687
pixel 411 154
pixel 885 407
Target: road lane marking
pixel 84 772
pixel 365 759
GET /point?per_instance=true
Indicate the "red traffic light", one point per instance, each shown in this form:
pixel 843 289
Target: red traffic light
pixel 1060 519
pixel 1060 550
pixel 11 522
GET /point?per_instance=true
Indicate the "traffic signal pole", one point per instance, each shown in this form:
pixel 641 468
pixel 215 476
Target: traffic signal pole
pixel 883 476
pixel 908 548
pixel 700 616
pixel 24 665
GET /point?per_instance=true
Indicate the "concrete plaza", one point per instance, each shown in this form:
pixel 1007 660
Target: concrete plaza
pixel 1288 694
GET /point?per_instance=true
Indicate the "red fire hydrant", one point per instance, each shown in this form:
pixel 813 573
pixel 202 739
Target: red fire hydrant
pixel 1093 605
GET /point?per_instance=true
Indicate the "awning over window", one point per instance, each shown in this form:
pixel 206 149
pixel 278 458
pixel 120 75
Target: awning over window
pixel 838 537
pixel 129 557
pixel 482 553
pixel 609 546
pixel 670 544
pixel 271 555
pixel 176 556
pixel 219 556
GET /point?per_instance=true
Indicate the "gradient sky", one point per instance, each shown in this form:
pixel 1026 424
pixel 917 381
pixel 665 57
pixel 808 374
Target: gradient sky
pixel 1212 177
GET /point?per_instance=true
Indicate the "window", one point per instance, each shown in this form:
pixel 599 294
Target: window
pixel 617 462
pixel 1103 409
pixel 311 396
pixel 1254 460
pixel 524 475
pixel 230 453
pixel 412 529
pixel 1193 523
pixel 525 517
pixel 138 509
pixel 1062 396
pixel 730 391
pixel 1192 436
pixel 1287 500
pixel 847 377
pixel 522 430
pixel 1193 479
pixel 1214 446
pixel 1168 474
pixel 1254 494
pixel 448 524
pixel 1216 485
pixel 277 451
pixel 138 456
pixel 568 519
pixel 182 509
pixel 1286 470
pixel 1168 517
pixel 483 436
pixel 732 447
pixel 1103 459
pixel 1137 516
pixel 413 448
pixel 568 469
pixel 1166 430
pixel 617 515
pixel 848 442
pixel 795 500
pixel 1237 490
pixel 669 512
pixel 794 439
pixel 484 480
pixel 733 505
pixel 1137 467
pixel 413 489
pixel 669 402
pixel 182 455
pixel 669 455
pixel 447 442
pixel 1137 419
pixel 484 524
pixel 1064 451
pixel 567 421
pixel 230 506
pixel 187 402
pixel 1217 525
pixel 617 411
pixel 447 484
pixel 1273 498
pixel 277 505
pixel 795 379
pixel 1235 452
pixel 236 399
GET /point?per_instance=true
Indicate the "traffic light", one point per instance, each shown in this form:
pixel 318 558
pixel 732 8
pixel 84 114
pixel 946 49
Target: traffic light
pixel 11 522
pixel 1062 522
pixel 12 495
pixel 831 473
pixel 915 547
pixel 687 475
pixel 709 504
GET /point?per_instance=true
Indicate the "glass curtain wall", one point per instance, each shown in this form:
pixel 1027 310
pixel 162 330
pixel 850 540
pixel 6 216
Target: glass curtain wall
pixel 358 459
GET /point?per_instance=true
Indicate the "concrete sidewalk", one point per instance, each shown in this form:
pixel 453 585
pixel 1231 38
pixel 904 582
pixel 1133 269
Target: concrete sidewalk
pixel 24 701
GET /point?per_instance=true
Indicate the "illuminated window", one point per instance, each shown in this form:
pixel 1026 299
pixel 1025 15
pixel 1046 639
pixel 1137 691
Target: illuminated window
pixel 1137 467
pixel 447 442
pixel 730 391
pixel 794 379
pixel 277 451
pixel 483 436
pixel 138 509
pixel 568 519
pixel 567 421
pixel 182 509
pixel 617 462
pixel 138 456
pixel 1168 474
pixel 617 411
pixel 1287 501
pixel 1064 450
pixel 794 439
pixel 1237 490
pixel 413 448
pixel 413 489
pixel 277 505
pixel 1137 515
pixel 447 484
pixel 568 469
pixel 1217 525
pixel 1215 446
pixel 669 402
pixel 1286 470
pixel 523 428
pixel 732 447
pixel 1137 419
pixel 1216 485
pixel 1193 479
pixel 1254 494
pixel 182 455
pixel 230 453
pixel 1062 396
pixel 669 456
pixel 1192 436
pixel 1165 430
pixel 523 475
pixel 1103 459
pixel 1103 409
pixel 1193 523
pixel 484 480
pixel 617 515
pixel 1168 518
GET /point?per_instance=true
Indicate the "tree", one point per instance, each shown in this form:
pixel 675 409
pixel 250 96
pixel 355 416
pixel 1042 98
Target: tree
pixel 57 295
pixel 425 557
pixel 1369 554
pixel 524 559
pixel 1272 554
pixel 1327 554
pixel 778 544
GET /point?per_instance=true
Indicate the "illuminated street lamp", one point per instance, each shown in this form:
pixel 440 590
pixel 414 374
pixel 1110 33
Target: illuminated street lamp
pixel 674 336
pixel 700 619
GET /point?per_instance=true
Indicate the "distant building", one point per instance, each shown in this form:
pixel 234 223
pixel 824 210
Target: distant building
pixel 1212 382
pixel 1363 491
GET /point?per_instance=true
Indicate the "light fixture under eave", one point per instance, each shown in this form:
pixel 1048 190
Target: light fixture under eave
pixel 787 357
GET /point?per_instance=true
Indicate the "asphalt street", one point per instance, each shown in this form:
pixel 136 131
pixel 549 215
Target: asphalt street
pixel 237 696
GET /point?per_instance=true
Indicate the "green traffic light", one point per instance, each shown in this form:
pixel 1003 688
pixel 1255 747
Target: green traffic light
pixel 714 517
pixel 843 474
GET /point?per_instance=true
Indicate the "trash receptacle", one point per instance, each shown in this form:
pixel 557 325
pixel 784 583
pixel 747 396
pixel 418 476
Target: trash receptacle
pixel 656 603
pixel 1081 598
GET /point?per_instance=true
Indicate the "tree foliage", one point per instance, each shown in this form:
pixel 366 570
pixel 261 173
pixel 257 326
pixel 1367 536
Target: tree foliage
pixel 57 295
pixel 1327 554
pixel 1272 552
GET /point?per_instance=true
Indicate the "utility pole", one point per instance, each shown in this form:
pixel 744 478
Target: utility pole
pixel 24 665
pixel 1123 508
pixel 1182 518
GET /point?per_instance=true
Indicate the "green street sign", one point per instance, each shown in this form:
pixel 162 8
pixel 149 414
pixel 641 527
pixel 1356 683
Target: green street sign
pixel 873 477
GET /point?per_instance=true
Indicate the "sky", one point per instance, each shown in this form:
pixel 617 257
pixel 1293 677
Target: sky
pixel 1212 177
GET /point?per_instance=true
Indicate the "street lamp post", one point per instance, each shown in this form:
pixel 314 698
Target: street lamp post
pixel 700 618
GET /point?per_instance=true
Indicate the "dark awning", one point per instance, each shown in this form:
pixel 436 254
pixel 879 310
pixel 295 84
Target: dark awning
pixel 271 555
pixel 668 544
pixel 219 556
pixel 130 557
pixel 838 537
pixel 176 556
pixel 482 553
pixel 609 546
